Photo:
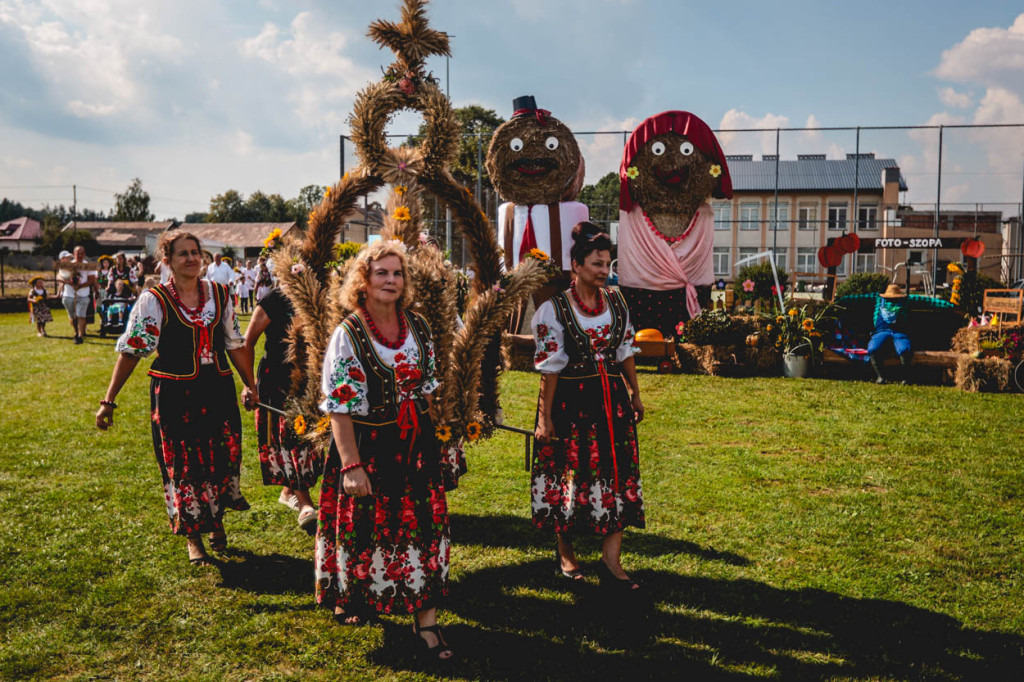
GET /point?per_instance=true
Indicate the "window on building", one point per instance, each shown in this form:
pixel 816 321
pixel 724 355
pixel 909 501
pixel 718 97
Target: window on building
pixel 837 215
pixel 806 259
pixel 750 216
pixel 781 260
pixel 720 256
pixel 783 215
pixel 867 217
pixel 747 252
pixel 807 217
pixel 723 215
pixel 865 262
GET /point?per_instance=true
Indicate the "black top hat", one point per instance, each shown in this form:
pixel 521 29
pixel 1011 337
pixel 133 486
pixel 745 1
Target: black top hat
pixel 524 104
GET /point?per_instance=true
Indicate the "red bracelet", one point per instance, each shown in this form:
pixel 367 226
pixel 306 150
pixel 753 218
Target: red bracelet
pixel 351 467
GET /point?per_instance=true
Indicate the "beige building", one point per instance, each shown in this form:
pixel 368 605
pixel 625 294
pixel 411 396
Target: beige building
pixel 819 199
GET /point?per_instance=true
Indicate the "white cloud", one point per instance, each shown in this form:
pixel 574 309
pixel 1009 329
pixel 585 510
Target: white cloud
pixel 324 80
pixel 603 153
pixel 993 57
pixel 93 54
pixel 791 143
pixel 952 98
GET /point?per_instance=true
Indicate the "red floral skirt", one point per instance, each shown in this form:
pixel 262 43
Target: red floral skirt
pixel 579 485
pixel 197 439
pixel 388 551
pixel 285 458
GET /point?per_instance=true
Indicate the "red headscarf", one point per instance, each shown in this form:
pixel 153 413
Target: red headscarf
pixel 683 123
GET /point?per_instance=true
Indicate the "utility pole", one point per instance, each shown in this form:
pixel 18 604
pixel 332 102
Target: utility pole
pixel 74 207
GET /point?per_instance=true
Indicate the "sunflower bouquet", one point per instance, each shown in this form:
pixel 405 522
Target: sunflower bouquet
pixel 797 329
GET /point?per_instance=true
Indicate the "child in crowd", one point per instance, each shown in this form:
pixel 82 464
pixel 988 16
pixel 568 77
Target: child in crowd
pixel 120 304
pixel 39 311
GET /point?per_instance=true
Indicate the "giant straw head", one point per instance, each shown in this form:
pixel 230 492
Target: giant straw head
pixel 533 157
pixel 671 165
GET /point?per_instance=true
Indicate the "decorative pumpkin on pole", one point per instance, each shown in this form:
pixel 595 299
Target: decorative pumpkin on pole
pixel 671 165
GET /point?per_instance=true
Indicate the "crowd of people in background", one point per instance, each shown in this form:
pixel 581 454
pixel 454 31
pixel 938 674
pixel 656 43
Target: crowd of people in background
pixel 108 288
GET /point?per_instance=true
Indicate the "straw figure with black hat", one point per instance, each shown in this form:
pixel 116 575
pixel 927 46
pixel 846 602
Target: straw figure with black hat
pixel 39 311
pixel 671 165
pixel 536 166
pixel 891 323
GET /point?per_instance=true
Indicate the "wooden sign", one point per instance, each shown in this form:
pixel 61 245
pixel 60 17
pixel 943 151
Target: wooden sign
pixel 1004 302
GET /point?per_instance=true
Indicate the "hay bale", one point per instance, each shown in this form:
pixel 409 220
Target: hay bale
pixel 983 374
pixel 763 360
pixel 968 339
pixel 530 162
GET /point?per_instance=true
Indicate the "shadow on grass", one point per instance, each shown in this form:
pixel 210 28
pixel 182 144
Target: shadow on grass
pixel 510 531
pixel 265 573
pixel 534 626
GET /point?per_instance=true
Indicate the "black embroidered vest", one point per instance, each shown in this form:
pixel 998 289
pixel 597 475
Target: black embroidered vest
pixel 381 386
pixel 178 350
pixel 577 342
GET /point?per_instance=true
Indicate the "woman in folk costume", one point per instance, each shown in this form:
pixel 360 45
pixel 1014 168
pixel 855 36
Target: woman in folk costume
pixel 197 429
pixel 586 471
pixel 383 539
pixel 285 459
pixel 671 165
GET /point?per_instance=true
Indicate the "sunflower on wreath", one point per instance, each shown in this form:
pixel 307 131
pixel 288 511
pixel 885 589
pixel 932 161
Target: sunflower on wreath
pixel 272 241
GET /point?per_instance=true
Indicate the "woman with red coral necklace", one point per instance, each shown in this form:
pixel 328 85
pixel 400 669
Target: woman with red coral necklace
pixel 197 429
pixel 586 471
pixel 382 539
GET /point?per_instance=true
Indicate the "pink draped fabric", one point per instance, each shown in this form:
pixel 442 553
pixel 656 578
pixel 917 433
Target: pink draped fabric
pixel 646 261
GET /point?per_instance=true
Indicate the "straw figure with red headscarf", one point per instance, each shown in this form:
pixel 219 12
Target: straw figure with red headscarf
pixel 671 165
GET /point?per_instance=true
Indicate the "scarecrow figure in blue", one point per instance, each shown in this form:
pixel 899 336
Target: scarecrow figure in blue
pixel 890 317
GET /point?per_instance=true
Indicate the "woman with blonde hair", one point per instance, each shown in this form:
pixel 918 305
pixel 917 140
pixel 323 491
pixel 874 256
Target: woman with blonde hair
pixel 197 429
pixel 383 537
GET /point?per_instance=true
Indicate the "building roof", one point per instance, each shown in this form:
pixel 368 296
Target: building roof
pixel 810 173
pixel 244 235
pixel 120 235
pixel 19 229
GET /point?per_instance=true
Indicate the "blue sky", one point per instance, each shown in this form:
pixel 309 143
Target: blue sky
pixel 197 97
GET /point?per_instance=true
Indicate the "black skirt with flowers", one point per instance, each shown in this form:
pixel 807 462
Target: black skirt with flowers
pixel 661 310
pixel 198 445
pixel 589 481
pixel 388 551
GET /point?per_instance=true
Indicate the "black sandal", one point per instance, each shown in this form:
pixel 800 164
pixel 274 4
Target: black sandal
pixel 574 575
pixel 611 582
pixel 218 543
pixel 438 649
pixel 358 617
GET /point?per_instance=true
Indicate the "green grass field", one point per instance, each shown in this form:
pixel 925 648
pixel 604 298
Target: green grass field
pixel 797 529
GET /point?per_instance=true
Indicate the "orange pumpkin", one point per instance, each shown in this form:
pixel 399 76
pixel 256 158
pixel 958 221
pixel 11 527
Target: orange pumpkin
pixel 972 248
pixel 829 256
pixel 649 335
pixel 848 243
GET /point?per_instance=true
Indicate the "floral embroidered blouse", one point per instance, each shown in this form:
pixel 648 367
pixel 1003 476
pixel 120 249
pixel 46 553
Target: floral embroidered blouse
pixel 344 377
pixel 551 357
pixel 142 333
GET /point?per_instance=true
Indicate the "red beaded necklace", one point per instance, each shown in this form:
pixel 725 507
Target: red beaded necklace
pixel 670 240
pixel 596 310
pixel 191 312
pixel 403 329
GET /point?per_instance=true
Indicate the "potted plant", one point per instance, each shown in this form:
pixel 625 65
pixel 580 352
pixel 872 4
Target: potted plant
pixel 796 333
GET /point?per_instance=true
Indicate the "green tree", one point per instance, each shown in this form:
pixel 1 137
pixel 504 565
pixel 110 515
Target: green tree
pixel 309 197
pixel 55 238
pixel 602 198
pixel 228 207
pixel 133 204
pixel 474 120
